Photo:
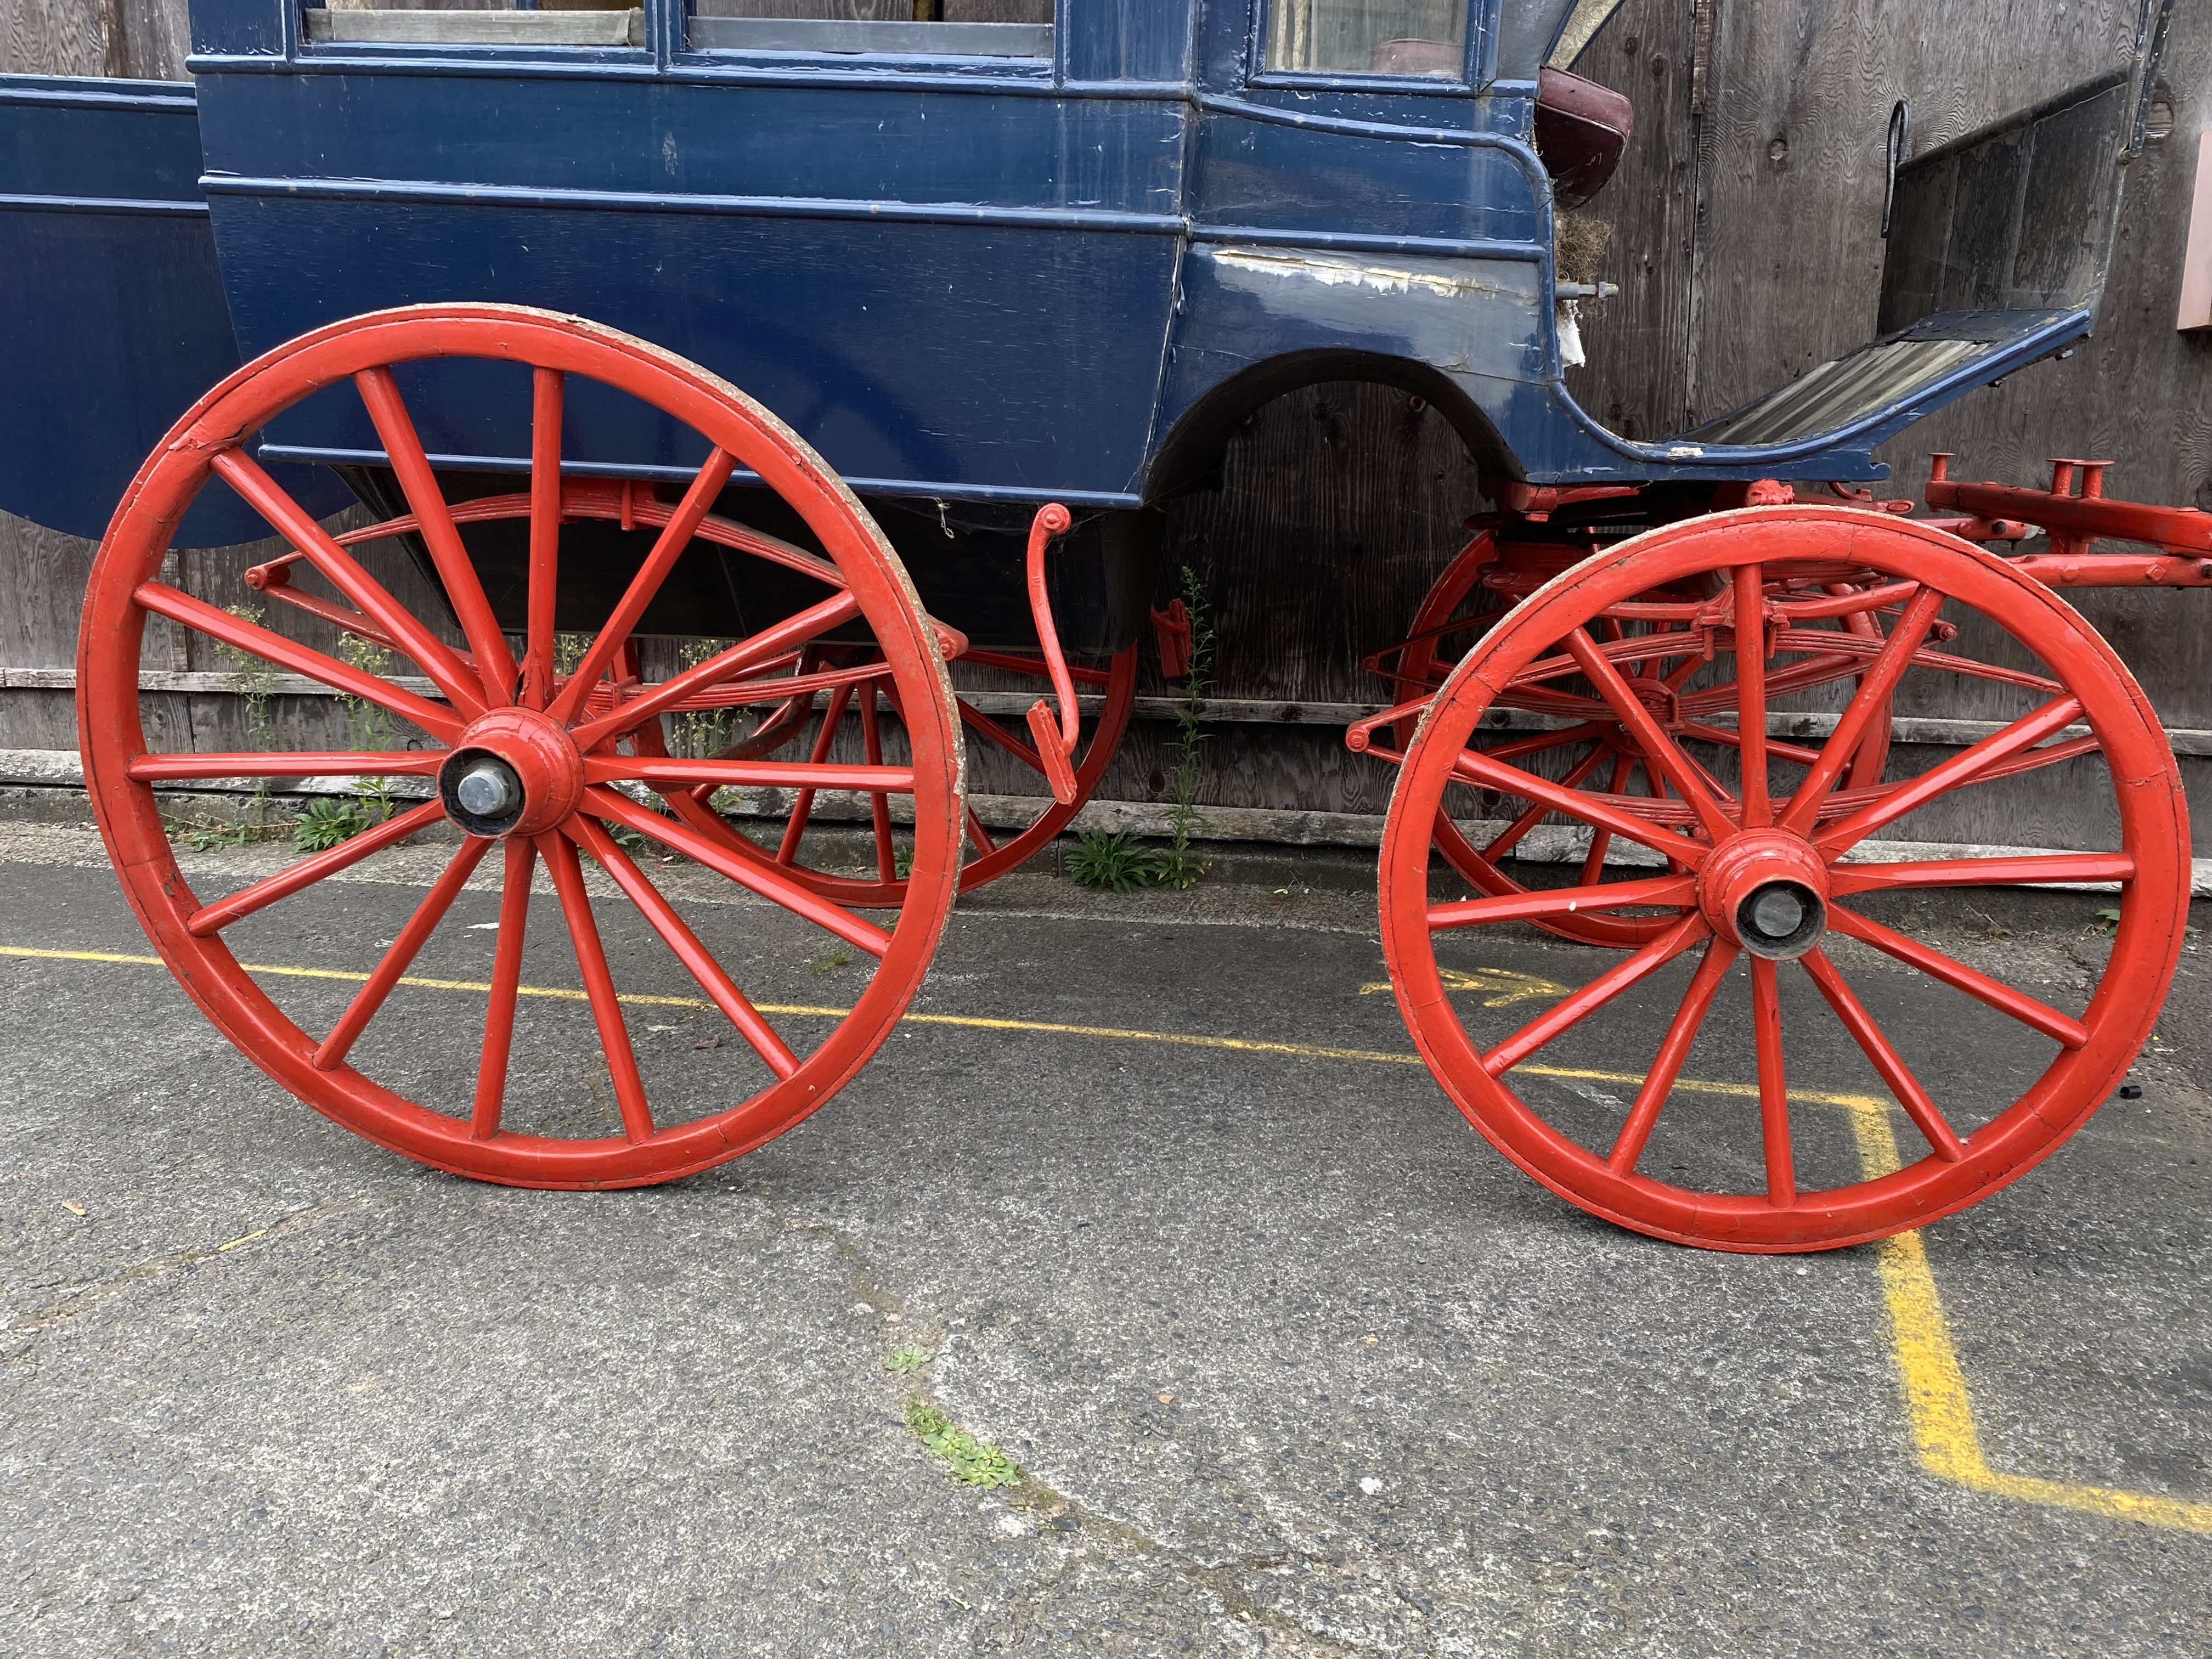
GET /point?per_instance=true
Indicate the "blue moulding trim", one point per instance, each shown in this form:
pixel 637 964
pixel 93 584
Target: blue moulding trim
pixel 1444 246
pixel 515 464
pixel 686 68
pixel 619 201
pixel 98 204
pixel 112 95
pixel 1472 137
pixel 787 207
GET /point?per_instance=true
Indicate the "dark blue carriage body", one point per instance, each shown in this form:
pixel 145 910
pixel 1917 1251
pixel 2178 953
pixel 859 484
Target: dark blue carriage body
pixel 962 279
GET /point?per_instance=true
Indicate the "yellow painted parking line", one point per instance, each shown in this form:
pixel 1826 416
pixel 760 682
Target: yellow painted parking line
pixel 1937 1399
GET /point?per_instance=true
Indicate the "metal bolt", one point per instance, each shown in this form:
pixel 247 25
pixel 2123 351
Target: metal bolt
pixel 1777 913
pixel 489 789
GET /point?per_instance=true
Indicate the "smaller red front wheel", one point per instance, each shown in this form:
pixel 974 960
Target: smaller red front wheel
pixel 1668 1093
pixel 537 767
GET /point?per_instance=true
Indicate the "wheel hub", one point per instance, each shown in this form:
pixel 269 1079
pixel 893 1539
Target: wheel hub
pixel 513 772
pixel 1768 890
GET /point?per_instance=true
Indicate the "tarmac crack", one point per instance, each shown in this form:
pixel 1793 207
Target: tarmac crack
pixel 100 1292
pixel 1223 1578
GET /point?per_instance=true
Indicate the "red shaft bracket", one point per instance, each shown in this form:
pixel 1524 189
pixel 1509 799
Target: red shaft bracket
pixel 1055 739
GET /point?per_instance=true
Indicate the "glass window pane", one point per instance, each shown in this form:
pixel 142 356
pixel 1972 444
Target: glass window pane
pixel 960 29
pixel 1369 36
pixel 478 22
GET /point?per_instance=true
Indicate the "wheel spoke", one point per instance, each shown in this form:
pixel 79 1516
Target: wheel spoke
pixel 1594 897
pixel 695 957
pixel 741 658
pixel 212 918
pixel 1773 1085
pixel 678 771
pixel 1596 995
pixel 802 808
pixel 1659 749
pixel 675 537
pixel 1512 835
pixel 521 859
pixel 1673 1050
pixel 754 872
pixel 380 395
pixel 289 763
pixel 978 837
pixel 1961 769
pixel 547 389
pixel 1776 750
pixel 1751 694
pixel 2032 870
pixel 401 955
pixel 1870 702
pixel 599 986
pixel 256 640
pixel 1544 742
pixel 2062 1028
pixel 1473 767
pixel 998 734
pixel 879 804
pixel 1602 840
pixel 1886 1060
pixel 292 521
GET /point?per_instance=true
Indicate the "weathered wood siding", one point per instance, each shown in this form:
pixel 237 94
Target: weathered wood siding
pixel 1745 239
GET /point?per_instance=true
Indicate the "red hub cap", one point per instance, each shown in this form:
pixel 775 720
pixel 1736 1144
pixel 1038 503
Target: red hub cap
pixel 514 772
pixel 1768 890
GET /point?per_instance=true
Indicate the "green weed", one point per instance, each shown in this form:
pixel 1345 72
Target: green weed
pixel 1112 864
pixel 907 1359
pixel 1177 867
pixel 973 1463
pixel 828 961
pixel 328 821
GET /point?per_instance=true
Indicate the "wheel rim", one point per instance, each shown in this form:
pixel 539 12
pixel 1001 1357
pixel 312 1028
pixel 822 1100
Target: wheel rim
pixel 567 741
pixel 1730 849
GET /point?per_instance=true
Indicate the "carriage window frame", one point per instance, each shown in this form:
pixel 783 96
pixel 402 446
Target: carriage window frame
pixel 804 62
pixel 1473 71
pixel 518 53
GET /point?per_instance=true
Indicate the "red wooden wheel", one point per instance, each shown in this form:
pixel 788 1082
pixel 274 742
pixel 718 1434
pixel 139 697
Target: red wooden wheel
pixel 523 756
pixel 881 720
pixel 1467 599
pixel 1762 873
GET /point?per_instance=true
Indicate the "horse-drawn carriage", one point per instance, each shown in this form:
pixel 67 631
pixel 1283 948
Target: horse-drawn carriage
pixel 872 351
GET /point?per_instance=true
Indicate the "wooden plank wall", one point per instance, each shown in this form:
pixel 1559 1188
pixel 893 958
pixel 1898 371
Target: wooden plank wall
pixel 1745 239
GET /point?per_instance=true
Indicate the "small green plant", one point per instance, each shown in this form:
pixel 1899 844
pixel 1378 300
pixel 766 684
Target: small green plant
pixel 1177 867
pixel 1112 864
pixel 903 861
pixel 973 1463
pixel 828 961
pixel 206 835
pixel 700 731
pixel 328 821
pixel 367 727
pixel 569 650
pixel 255 680
pixel 907 1359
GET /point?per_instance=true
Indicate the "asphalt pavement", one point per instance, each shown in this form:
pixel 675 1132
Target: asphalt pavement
pixel 1288 1360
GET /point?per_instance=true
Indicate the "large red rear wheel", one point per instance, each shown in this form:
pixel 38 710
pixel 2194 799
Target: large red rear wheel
pixel 545 760
pixel 1756 883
